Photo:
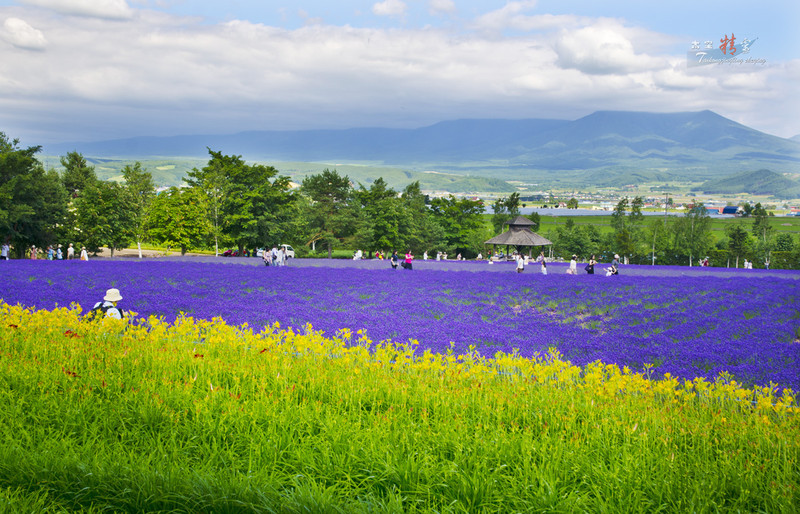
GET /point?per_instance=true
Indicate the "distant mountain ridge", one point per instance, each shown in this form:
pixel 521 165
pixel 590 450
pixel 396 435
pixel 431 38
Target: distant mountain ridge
pixel 760 182
pixel 611 145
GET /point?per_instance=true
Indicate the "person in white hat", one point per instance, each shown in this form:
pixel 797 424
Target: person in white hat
pixel 108 307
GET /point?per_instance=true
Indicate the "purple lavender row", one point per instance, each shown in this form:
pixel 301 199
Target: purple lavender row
pixel 682 323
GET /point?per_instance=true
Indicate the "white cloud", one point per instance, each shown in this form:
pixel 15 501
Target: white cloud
pixel 508 16
pixel 602 49
pixel 107 9
pixel 20 34
pixel 441 7
pixel 389 8
pixel 157 74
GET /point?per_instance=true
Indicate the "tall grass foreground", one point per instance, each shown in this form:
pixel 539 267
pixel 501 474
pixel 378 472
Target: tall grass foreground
pixel 200 416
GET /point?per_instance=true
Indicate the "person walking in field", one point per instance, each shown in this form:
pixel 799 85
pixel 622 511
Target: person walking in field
pixel 70 252
pixel 84 254
pixel 590 265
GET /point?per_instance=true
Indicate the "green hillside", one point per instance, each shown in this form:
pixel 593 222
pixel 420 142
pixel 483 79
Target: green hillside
pixel 760 182
pixel 171 172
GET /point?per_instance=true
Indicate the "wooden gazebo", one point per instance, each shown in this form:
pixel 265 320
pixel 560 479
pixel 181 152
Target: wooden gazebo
pixel 519 233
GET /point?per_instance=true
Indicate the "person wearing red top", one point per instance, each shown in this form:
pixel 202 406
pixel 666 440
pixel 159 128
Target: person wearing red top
pixel 409 258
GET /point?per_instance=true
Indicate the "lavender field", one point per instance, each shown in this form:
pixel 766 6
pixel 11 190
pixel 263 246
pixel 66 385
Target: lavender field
pixel 670 320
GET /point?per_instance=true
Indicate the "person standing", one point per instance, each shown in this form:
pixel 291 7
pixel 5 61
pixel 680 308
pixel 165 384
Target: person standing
pixel 615 264
pixel 590 265
pixel 394 259
pixel 573 266
pixel 33 252
pixel 409 257
pixel 520 263
pixel 84 254
pixel 544 264
pixel 4 252
pixel 59 254
pixel 70 252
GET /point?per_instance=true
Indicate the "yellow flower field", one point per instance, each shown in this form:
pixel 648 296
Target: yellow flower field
pixel 198 416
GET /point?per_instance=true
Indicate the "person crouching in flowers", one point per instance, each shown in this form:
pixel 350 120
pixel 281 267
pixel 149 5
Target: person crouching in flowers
pixel 108 307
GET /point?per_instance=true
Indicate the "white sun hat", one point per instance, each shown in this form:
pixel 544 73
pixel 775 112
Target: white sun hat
pixel 112 295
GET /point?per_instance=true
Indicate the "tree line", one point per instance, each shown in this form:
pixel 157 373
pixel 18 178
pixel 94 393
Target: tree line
pixel 227 203
pixel 681 240
pixel 232 204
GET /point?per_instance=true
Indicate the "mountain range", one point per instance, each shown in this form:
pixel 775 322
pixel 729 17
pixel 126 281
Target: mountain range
pixel 604 148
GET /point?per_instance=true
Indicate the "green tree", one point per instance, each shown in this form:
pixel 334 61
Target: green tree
pixel 784 243
pixel 381 215
pixel 536 219
pixel 636 217
pixel 77 175
pixel 572 203
pixel 419 230
pixel 178 217
pixel 658 237
pixel 618 217
pixel 250 205
pixel 33 202
pixel 332 215
pixel 762 229
pixel 462 223
pixel 212 181
pixel 737 241
pixel 105 216
pixel 693 231
pixel 626 225
pixel 505 209
pixel 572 239
pixel 140 186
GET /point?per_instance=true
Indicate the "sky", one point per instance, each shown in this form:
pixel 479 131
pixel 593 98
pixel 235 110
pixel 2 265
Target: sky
pixel 89 70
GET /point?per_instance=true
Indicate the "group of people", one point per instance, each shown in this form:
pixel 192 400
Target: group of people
pixel 613 269
pixel 406 262
pixel 274 257
pixel 523 260
pixel 51 253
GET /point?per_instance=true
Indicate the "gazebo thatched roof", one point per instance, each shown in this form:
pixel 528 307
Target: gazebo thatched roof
pixel 519 234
